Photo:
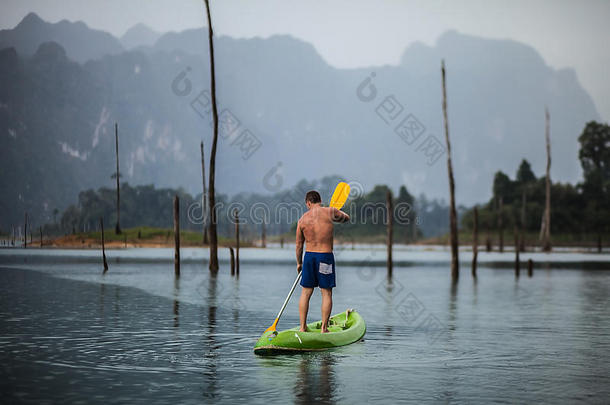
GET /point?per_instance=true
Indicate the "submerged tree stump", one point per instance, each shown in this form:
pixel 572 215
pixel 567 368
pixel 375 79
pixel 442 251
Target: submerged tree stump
pixel 236 216
pixel 545 226
pixel 455 264
pixel 501 224
pixel 103 247
pixel 204 211
pixel 232 260
pixel 517 263
pixel 475 242
pixel 25 231
pixel 212 233
pixel 389 219
pixel 117 228
pixel 176 236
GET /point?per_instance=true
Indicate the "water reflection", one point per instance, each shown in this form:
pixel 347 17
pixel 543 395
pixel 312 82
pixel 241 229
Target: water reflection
pixel 475 291
pixel 117 305
pixel 453 304
pixel 543 339
pixel 102 295
pixel 236 305
pixel 391 289
pixel 210 366
pixel 176 301
pixel 315 380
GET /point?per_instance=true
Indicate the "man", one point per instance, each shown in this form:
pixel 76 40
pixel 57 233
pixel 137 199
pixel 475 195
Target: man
pixel 315 228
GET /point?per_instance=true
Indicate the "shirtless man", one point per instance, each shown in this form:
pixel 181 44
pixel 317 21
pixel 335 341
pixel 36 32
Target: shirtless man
pixel 315 228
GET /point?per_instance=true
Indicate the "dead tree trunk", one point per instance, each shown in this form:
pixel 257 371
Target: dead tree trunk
pixel 501 223
pixel 517 263
pixel 475 242
pixel 40 229
pixel 263 236
pixel 455 271
pixel 523 224
pixel 176 236
pixel 25 231
pixel 117 229
pixel 236 216
pixel 212 200
pixel 530 267
pixel 545 229
pixel 103 247
pixel 204 211
pixel 390 220
pixel 232 260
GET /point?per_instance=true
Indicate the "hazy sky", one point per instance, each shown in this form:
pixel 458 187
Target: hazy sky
pixel 355 33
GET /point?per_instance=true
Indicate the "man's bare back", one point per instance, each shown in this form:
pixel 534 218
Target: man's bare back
pixel 316 228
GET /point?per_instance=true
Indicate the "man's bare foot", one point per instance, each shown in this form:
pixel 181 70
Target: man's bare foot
pixel 324 330
pixel 303 330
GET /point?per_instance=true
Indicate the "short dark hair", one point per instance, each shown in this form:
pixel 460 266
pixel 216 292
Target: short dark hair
pixel 313 197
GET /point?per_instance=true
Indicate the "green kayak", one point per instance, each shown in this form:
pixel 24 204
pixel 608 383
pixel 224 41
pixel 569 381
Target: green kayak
pixel 344 328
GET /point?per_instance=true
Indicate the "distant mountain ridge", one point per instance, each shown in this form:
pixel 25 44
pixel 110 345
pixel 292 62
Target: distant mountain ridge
pixel 57 116
pixel 81 42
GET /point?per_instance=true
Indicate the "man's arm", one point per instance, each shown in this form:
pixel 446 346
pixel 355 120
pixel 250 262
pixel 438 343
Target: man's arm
pixel 300 240
pixel 339 216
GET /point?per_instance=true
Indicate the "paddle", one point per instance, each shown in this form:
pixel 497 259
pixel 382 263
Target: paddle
pixel 337 201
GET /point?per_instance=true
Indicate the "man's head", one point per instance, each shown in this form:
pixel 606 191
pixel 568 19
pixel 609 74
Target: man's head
pixel 311 198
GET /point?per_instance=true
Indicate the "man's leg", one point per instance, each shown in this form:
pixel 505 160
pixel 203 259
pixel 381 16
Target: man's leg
pixel 327 307
pixel 304 306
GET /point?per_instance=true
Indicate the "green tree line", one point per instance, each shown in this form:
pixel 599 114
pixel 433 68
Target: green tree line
pixel 581 209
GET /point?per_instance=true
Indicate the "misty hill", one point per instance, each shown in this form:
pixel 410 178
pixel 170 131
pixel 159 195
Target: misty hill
pixel 80 42
pixel 57 118
pixel 139 35
pixel 497 93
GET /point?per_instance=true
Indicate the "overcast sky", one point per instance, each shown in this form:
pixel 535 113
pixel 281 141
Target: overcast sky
pixel 355 33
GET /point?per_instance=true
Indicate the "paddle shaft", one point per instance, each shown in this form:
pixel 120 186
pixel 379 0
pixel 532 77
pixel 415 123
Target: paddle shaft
pixel 294 285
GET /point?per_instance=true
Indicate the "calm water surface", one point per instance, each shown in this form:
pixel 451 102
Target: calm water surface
pixel 138 335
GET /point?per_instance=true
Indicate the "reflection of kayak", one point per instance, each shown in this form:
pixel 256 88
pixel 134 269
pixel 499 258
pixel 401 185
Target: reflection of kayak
pixel 344 328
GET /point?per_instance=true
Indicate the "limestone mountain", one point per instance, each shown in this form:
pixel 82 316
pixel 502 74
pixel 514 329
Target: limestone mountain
pixel 292 116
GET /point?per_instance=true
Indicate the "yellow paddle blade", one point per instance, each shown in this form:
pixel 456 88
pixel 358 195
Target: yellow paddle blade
pixel 340 195
pixel 273 327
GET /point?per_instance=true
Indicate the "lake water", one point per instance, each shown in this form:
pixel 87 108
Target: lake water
pixel 138 335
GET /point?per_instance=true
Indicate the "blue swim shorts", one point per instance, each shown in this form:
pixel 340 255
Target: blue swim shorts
pixel 318 270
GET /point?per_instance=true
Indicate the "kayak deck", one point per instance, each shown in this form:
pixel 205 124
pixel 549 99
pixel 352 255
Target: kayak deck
pixel 343 329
